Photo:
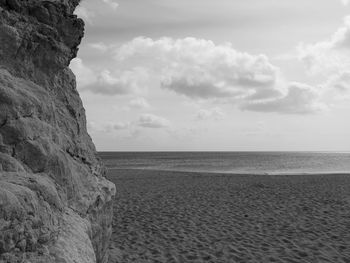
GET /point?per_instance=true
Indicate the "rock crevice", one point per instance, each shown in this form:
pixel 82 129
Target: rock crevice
pixel 55 204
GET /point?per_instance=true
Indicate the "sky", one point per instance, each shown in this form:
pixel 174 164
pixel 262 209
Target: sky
pixel 223 75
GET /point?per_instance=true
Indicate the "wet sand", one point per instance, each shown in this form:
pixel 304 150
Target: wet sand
pixel 163 216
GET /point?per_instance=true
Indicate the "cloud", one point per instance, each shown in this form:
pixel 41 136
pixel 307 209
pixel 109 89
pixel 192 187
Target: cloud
pixel 109 83
pixel 198 68
pixel 84 75
pixel 119 82
pixel 85 13
pixel 153 121
pixel 111 4
pixel 331 58
pixel 108 127
pixel 84 10
pixel 338 86
pixel 215 114
pixel 340 82
pixel 300 99
pixel 345 2
pixel 330 55
pixel 121 126
pixel 100 46
pixel 139 103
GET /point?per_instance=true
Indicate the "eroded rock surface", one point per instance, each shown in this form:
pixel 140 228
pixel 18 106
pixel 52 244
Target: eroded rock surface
pixel 55 204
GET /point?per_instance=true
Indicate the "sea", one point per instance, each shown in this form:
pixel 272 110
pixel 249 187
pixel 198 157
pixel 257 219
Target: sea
pixel 232 162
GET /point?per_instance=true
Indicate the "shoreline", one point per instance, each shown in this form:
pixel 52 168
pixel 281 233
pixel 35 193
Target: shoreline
pixel 229 173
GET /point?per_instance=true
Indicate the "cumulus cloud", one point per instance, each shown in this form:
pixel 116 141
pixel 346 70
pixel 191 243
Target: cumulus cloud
pixel 100 46
pixel 300 99
pixel 138 103
pixel 331 58
pixel 330 55
pixel 85 13
pixel 115 83
pixel 119 82
pixel 87 10
pixel 215 114
pixel 84 75
pixel 198 68
pixel 152 121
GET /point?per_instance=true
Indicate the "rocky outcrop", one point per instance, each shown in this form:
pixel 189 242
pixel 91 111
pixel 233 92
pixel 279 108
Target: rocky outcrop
pixel 55 204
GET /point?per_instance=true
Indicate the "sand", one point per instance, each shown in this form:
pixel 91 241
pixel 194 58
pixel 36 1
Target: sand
pixel 165 216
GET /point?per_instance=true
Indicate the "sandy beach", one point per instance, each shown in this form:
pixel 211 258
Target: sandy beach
pixel 163 216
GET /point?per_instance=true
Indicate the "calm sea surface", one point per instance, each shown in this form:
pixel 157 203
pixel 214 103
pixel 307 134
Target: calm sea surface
pixel 231 162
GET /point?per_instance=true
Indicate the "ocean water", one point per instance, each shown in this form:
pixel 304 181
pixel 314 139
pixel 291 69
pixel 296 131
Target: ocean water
pixel 232 162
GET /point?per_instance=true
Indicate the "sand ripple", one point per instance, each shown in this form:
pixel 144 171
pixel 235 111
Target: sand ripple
pixel 179 217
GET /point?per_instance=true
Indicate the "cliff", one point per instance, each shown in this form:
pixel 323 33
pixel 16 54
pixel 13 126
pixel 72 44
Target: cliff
pixel 55 204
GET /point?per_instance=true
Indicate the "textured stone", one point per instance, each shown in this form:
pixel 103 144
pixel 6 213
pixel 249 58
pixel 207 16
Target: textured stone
pixel 55 204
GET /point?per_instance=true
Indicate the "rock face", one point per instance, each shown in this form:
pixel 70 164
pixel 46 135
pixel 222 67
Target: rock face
pixel 55 204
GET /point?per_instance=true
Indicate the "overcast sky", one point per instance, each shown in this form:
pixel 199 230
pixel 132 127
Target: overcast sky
pixel 225 75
